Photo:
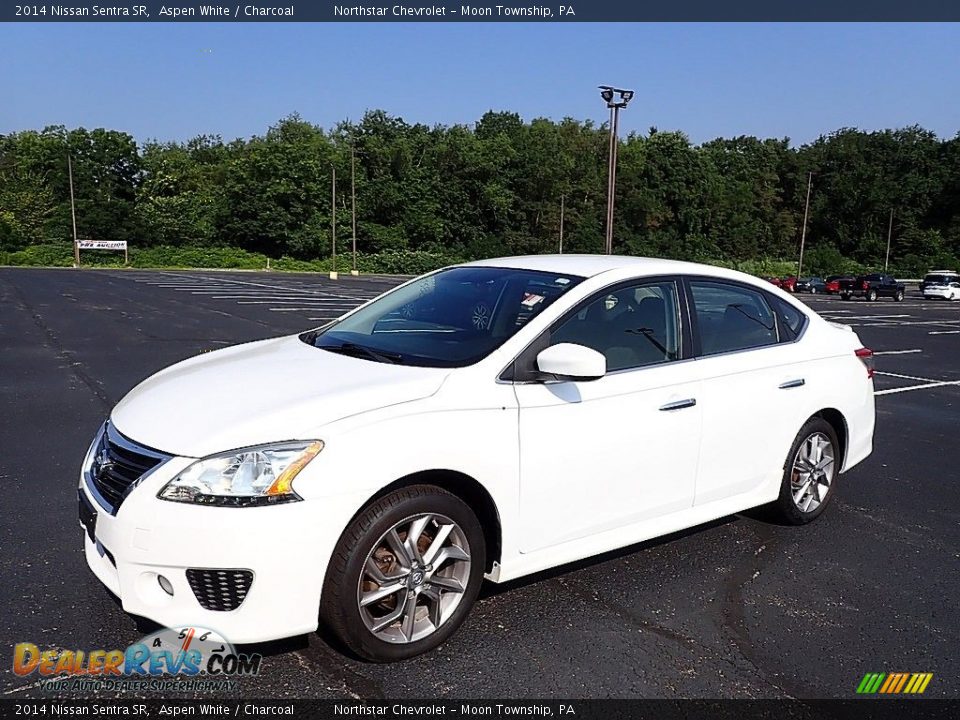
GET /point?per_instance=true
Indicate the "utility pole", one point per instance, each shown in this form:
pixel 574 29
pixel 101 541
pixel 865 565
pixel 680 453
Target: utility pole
pixel 886 260
pixel 624 96
pixel 353 206
pixel 561 224
pixel 333 220
pixel 803 233
pixel 73 213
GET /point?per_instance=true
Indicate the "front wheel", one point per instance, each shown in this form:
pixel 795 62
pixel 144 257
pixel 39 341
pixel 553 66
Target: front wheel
pixel 813 291
pixel 844 296
pixel 809 473
pixel 404 574
pixel 898 296
pixel 872 295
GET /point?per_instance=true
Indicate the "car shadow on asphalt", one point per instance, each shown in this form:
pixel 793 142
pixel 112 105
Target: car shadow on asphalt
pixel 283 646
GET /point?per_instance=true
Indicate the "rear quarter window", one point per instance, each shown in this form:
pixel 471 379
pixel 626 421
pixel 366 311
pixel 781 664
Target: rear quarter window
pixel 790 319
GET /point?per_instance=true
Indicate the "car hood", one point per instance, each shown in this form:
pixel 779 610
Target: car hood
pixel 260 392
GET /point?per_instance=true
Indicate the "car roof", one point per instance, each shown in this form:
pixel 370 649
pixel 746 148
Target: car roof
pixel 591 265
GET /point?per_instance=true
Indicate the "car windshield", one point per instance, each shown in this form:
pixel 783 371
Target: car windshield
pixel 451 318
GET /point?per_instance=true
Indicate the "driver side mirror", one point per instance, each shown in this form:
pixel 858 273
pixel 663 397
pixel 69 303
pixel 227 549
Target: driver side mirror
pixel 571 362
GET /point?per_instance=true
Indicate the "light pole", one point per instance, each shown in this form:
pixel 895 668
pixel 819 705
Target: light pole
pixel 353 207
pixel 616 99
pixel 333 220
pixel 803 233
pixel 73 212
pixel 886 259
pixel 562 198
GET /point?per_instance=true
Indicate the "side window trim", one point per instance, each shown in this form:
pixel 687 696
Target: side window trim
pixel 520 368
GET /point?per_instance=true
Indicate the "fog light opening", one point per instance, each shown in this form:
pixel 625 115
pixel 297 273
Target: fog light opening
pixel 165 585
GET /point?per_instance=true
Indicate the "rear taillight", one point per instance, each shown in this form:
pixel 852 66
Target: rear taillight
pixel 866 357
pixel 864 285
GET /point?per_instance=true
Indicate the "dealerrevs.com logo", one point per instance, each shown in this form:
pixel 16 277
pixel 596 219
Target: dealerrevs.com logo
pixel 185 659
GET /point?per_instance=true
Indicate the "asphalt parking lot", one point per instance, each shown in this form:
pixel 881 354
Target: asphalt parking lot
pixel 739 608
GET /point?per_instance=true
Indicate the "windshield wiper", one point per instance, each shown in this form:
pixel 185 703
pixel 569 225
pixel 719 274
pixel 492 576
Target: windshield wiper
pixel 349 348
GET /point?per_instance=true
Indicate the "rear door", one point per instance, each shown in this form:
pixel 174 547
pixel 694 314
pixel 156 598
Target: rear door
pixel 751 382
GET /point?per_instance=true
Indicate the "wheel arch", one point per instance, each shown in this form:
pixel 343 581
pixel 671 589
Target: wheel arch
pixel 839 424
pixel 465 487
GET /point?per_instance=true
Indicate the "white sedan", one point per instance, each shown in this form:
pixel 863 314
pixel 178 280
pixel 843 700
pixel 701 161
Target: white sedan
pixel 488 420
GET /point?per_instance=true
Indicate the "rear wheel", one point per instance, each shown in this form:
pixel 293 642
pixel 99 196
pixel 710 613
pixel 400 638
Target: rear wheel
pixel 809 473
pixel 404 575
pixel 872 295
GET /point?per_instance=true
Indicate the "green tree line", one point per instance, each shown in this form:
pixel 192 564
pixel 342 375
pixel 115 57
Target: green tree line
pixel 495 188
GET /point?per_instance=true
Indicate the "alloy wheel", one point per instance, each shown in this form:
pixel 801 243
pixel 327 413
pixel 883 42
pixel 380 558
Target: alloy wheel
pixel 414 578
pixel 813 471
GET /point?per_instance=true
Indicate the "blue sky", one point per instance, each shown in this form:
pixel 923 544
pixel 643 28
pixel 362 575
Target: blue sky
pixel 174 81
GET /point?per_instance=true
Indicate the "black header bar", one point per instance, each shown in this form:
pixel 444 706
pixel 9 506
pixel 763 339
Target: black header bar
pixel 499 11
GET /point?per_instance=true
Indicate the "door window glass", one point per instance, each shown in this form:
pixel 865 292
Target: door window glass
pixel 731 317
pixel 632 326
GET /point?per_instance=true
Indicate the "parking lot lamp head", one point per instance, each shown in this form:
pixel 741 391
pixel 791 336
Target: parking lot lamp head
pixel 616 99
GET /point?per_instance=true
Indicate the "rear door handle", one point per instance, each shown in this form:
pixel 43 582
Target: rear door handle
pixel 679 404
pixel 799 382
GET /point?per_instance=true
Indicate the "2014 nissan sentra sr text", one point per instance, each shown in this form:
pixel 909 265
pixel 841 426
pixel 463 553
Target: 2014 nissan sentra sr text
pixel 487 420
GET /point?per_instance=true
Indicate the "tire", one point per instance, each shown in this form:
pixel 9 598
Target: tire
pixel 844 296
pixel 872 295
pixel 813 291
pixel 898 296
pixel 796 491
pixel 416 574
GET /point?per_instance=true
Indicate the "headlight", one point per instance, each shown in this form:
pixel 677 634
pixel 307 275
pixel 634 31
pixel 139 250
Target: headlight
pixel 241 478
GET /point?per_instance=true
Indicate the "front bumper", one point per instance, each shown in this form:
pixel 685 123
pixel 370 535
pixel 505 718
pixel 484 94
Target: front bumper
pixel 286 547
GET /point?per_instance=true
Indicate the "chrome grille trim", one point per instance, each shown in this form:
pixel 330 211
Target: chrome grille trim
pixel 131 464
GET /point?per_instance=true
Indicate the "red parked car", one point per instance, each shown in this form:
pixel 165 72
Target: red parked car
pixel 789 283
pixel 774 281
pixel 833 283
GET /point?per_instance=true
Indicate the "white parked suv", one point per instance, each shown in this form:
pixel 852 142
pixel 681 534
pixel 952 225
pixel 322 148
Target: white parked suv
pixel 941 284
pixel 488 420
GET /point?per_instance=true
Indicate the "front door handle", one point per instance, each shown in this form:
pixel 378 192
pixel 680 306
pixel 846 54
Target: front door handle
pixel 679 404
pixel 799 382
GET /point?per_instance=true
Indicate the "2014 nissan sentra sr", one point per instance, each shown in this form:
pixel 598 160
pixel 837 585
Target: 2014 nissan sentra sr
pixel 487 420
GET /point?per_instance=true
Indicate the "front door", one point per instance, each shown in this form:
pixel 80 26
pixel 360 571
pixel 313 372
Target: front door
pixel 603 454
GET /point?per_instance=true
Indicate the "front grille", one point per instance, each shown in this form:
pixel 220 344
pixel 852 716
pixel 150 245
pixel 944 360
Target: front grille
pixel 117 464
pixel 219 590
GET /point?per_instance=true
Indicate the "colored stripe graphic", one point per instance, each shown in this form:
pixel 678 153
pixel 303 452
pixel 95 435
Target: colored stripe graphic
pixel 894 683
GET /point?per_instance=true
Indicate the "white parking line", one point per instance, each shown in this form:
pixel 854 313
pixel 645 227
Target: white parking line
pixel 301 301
pixel 944 332
pixel 917 387
pixel 906 377
pixel 301 309
pixel 905 323
pixel 873 317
